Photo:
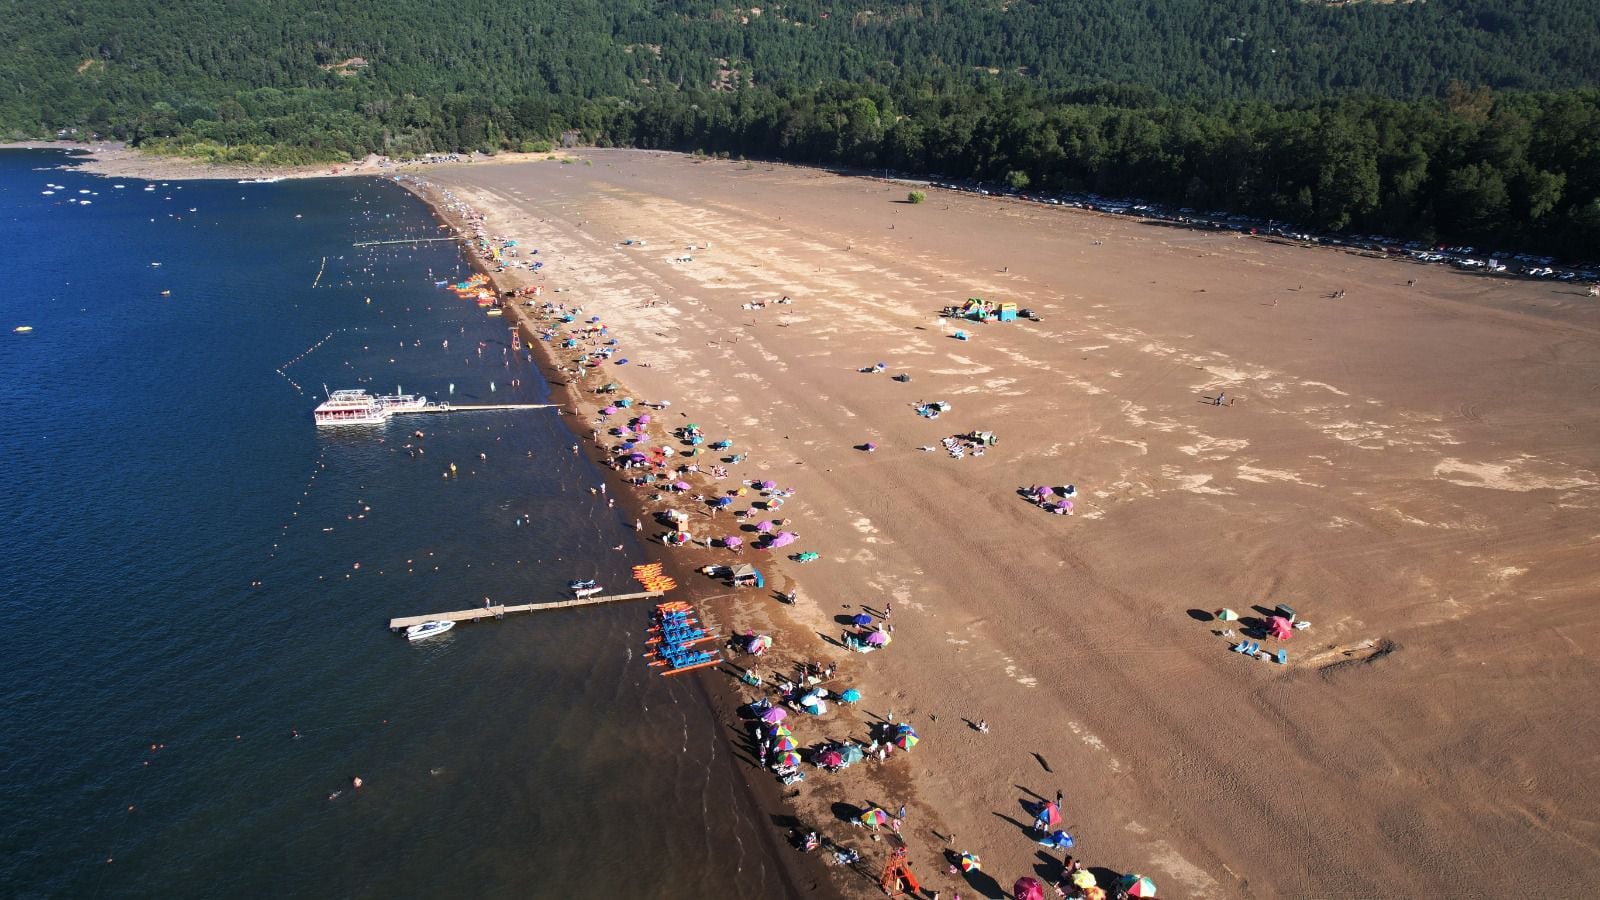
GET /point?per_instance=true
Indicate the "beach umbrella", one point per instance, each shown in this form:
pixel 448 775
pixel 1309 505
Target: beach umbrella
pixel 782 539
pixel 781 731
pixel 851 695
pixel 680 485
pixel 767 485
pixel 786 744
pixel 1227 615
pixel 1059 840
pixel 1083 878
pixel 636 458
pixel 1094 893
pixel 970 862
pixel 1138 886
pixel 811 697
pixel 878 639
pixel 645 419
pixel 1050 814
pixel 722 502
pixel 907 739
pixel 861 619
pixel 764 526
pixel 875 817
pixel 733 541
pixel 774 715
pixel 851 754
pixel 789 758
pixel 830 759
pixel 759 643
pixel 1028 888
pixel 608 411
pixel 1280 628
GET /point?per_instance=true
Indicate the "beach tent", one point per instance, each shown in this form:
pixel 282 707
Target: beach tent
pixel 1028 888
pixel 1138 886
pixel 748 574
pixel 811 697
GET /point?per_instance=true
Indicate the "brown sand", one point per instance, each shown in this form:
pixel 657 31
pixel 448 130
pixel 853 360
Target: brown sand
pixel 1412 468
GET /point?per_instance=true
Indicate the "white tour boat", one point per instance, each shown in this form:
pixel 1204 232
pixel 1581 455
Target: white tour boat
pixel 428 629
pixel 356 407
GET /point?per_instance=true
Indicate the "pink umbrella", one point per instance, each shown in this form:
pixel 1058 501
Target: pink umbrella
pixel 831 759
pixel 764 526
pixel 644 419
pixel 1028 888
pixel 1280 628
pixel 766 485
pixel 877 639
pixel 782 539
pixel 774 715
pixel 680 485
pixel 733 541
pixel 609 411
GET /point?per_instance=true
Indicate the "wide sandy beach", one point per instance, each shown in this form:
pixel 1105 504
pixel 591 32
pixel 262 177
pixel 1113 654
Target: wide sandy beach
pixel 1410 467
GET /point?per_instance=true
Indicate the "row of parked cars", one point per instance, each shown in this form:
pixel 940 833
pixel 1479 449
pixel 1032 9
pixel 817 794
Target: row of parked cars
pixel 1460 256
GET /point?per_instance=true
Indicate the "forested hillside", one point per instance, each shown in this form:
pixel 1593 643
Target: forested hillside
pixel 1470 119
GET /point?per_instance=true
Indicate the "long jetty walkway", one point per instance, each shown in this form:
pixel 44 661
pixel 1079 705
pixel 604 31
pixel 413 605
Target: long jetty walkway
pixel 405 241
pixel 470 407
pixel 499 612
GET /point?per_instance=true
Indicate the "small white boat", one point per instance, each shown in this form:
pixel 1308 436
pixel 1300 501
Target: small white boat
pixel 589 591
pixel 428 629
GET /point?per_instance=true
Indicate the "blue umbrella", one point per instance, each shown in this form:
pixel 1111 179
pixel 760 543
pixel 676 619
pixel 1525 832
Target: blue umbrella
pixel 722 501
pixel 850 696
pixel 1059 840
pixel 861 619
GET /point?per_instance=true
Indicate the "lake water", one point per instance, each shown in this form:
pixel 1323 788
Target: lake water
pixel 192 566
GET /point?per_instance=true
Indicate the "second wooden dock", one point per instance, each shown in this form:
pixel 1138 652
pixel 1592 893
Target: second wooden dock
pixel 499 611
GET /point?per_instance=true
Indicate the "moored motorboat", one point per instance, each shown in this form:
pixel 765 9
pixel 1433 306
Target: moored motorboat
pixel 428 629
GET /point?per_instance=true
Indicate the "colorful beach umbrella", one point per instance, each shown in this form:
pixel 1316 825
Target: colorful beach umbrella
pixel 861 619
pixel 1227 615
pixel 1280 628
pixel 774 715
pixel 851 695
pixel 878 638
pixel 1028 888
pixel 786 744
pixel 875 817
pixel 781 731
pixel 907 739
pixel 1138 886
pixel 1050 813
pixel 789 758
pixel 970 862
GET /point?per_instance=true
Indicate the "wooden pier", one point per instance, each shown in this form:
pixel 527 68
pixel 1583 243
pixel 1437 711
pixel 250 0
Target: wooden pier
pixel 405 241
pixel 499 612
pixel 470 407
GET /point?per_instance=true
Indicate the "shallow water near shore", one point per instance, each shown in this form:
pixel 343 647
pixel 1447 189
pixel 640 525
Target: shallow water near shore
pixel 193 566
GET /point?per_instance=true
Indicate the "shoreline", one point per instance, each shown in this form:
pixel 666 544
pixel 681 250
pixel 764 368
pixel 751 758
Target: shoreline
pixel 761 794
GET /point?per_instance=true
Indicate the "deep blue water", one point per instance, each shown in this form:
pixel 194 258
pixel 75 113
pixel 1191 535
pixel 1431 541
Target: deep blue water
pixel 180 549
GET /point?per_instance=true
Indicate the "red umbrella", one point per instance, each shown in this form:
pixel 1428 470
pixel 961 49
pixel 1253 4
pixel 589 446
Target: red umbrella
pixel 831 759
pixel 1028 888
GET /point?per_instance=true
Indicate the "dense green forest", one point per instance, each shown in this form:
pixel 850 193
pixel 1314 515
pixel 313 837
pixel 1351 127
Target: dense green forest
pixel 1465 120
